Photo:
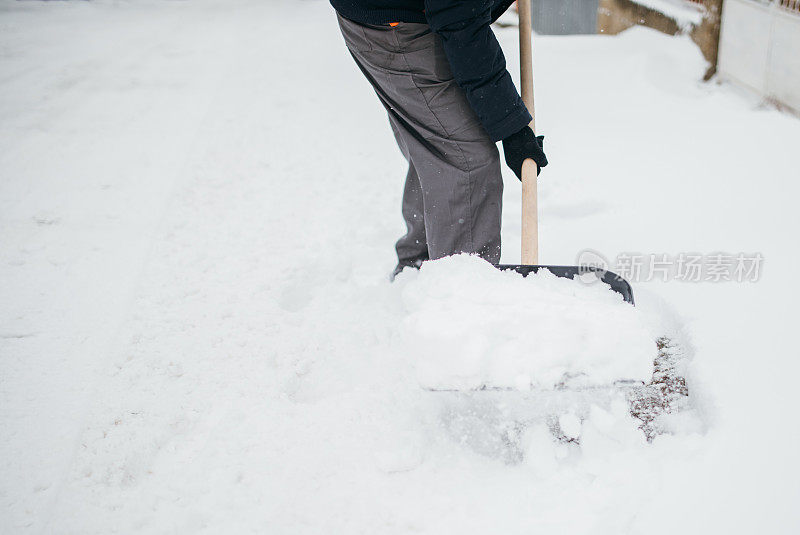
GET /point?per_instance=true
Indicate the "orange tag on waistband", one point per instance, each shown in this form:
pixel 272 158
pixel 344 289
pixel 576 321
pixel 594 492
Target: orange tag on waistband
pixel 393 24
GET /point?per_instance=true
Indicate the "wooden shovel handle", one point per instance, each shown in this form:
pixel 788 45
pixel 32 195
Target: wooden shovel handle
pixel 530 210
pixel 526 56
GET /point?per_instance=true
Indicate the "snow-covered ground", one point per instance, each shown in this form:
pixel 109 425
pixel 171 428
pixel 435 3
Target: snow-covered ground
pixel 198 202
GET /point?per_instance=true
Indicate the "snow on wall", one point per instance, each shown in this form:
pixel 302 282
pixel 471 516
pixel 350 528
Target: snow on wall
pixel 758 49
pixel 684 13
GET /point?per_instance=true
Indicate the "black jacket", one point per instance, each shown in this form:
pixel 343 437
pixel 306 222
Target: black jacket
pixel 473 52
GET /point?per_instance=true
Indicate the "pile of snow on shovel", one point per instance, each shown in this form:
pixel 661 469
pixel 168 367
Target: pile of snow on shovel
pixel 472 326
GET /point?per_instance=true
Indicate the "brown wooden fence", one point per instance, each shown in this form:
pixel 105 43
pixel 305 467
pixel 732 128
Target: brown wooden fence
pixel 790 5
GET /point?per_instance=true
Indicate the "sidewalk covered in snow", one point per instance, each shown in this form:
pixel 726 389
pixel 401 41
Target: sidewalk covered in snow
pixel 198 202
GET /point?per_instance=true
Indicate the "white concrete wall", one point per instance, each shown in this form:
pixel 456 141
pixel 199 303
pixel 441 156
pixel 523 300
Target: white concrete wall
pixel 760 48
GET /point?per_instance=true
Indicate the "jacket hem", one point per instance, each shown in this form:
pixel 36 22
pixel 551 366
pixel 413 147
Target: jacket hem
pixel 379 17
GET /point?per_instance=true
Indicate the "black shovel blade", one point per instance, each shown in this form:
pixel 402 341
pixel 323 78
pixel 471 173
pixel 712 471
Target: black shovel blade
pixel 617 283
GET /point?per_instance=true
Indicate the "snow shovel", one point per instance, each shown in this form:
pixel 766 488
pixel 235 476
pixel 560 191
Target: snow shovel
pixel 530 216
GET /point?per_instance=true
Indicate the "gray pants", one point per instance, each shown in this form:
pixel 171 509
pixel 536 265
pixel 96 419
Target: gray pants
pixel 452 200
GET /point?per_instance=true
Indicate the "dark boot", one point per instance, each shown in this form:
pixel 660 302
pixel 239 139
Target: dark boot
pixel 414 263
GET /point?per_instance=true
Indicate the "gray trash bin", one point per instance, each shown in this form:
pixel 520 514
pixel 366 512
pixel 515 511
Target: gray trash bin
pixel 564 17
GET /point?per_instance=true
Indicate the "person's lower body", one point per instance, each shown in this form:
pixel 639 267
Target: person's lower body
pixel 452 200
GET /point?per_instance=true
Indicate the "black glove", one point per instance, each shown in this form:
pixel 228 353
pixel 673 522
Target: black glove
pixel 521 146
